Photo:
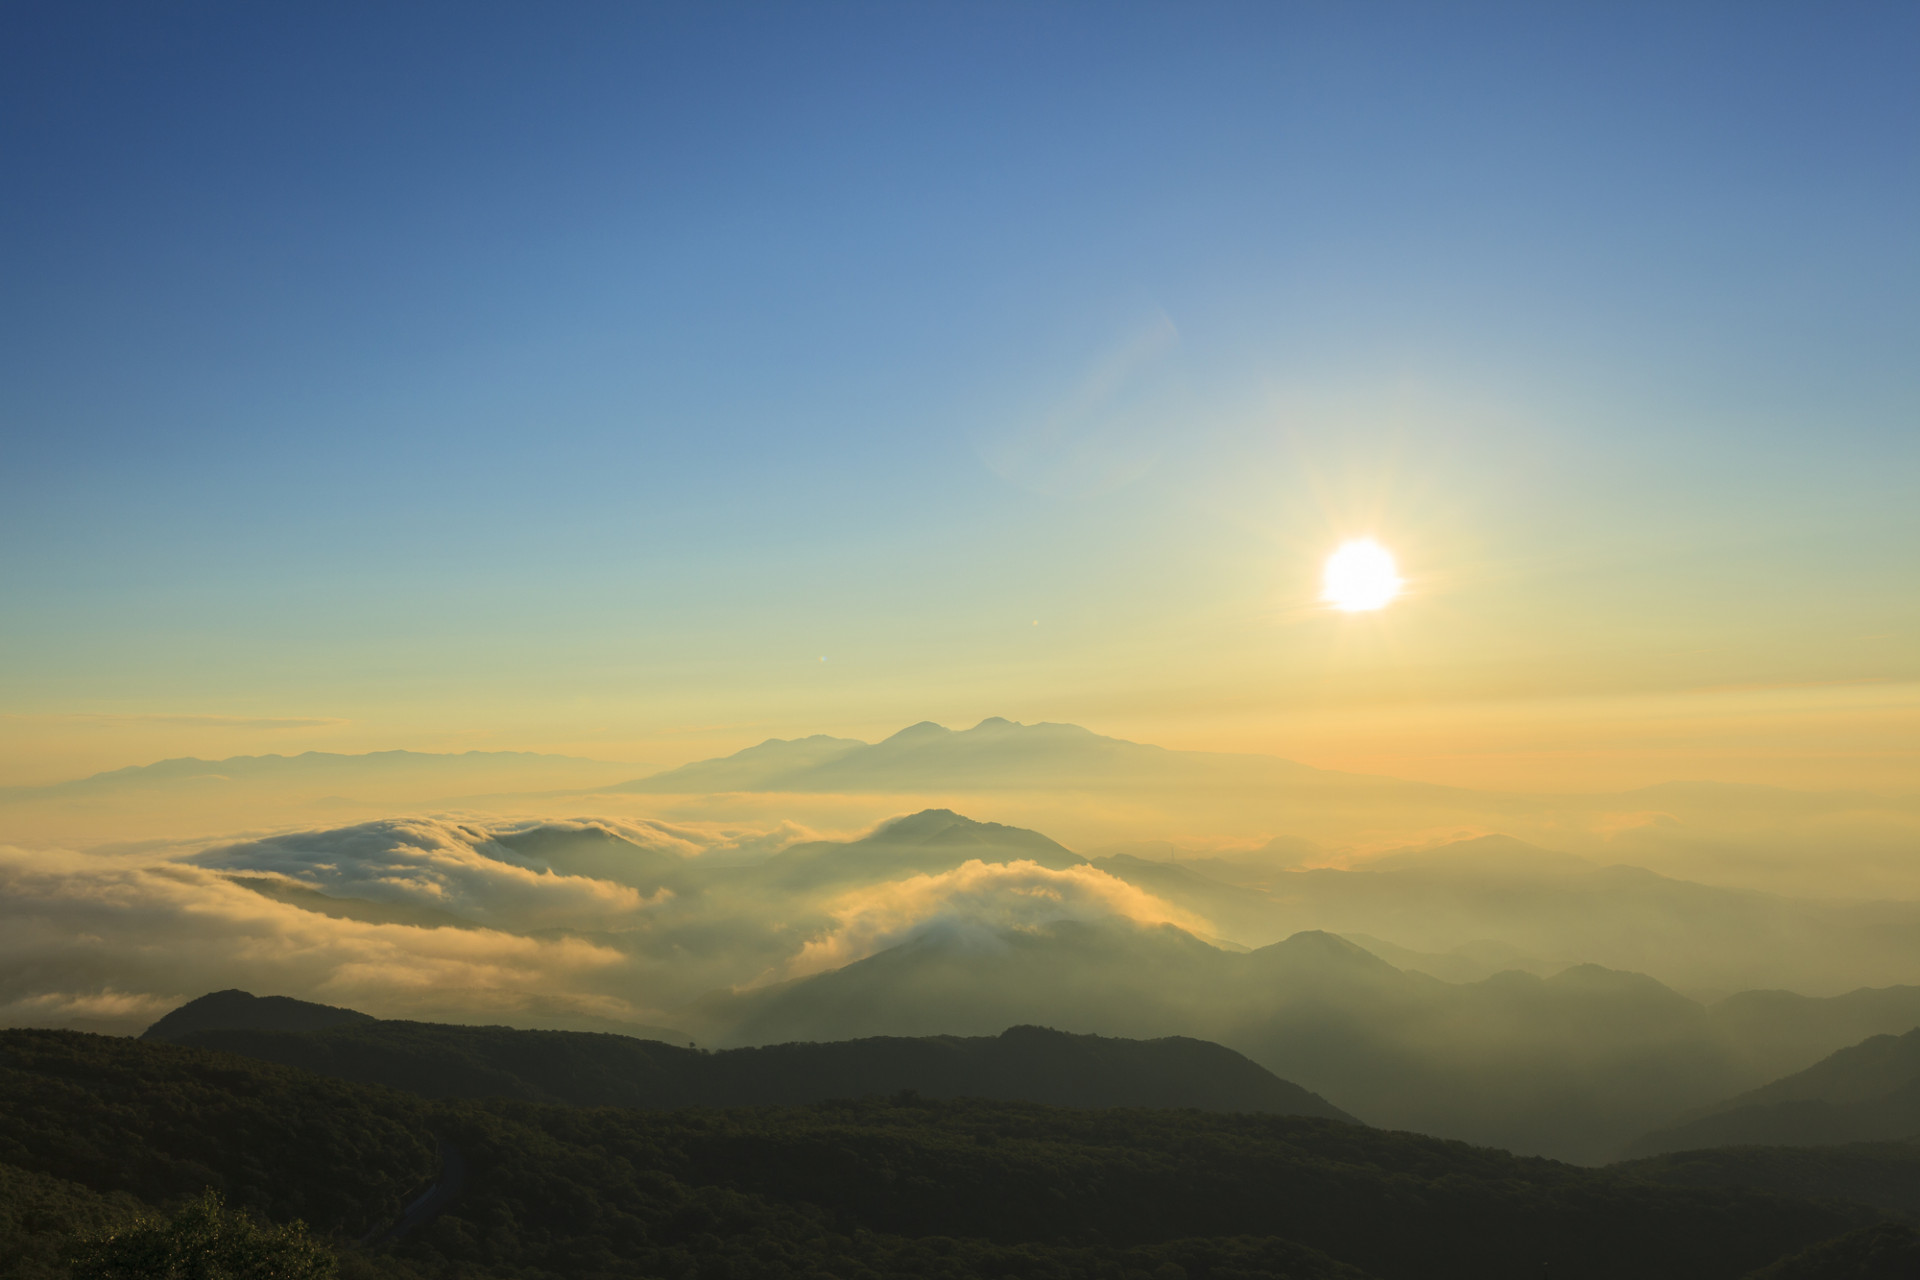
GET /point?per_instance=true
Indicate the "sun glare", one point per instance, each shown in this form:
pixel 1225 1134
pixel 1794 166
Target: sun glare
pixel 1360 575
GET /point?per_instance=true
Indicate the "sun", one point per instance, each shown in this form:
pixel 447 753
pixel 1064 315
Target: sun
pixel 1360 576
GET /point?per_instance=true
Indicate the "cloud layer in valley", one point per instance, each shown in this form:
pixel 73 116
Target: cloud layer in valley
pixel 581 923
pixel 445 866
pixel 109 942
pixel 981 900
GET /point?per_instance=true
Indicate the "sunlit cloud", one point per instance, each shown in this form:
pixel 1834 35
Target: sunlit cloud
pixel 444 866
pixel 106 940
pixel 981 898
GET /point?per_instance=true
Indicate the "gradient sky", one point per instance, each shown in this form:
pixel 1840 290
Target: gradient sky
pixel 644 381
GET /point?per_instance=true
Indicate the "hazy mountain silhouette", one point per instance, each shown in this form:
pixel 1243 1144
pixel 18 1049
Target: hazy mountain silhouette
pixel 599 854
pixel 996 754
pixel 1772 1029
pixel 323 768
pixel 760 768
pixel 1047 773
pixel 1554 909
pixel 1468 962
pixel 1572 1065
pixel 1482 857
pixel 1865 1093
pixel 924 843
pixel 438 1060
pixel 1861 1073
pixel 1235 911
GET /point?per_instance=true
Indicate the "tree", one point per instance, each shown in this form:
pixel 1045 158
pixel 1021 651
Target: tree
pixel 204 1240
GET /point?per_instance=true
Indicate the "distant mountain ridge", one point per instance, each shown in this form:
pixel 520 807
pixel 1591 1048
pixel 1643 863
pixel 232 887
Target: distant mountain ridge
pixel 996 754
pixel 1029 1064
pixel 1571 1066
pixel 306 765
pixel 1574 1064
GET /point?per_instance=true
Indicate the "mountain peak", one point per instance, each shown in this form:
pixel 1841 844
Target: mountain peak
pixel 944 826
pixel 1317 950
pixel 242 1010
pixel 926 729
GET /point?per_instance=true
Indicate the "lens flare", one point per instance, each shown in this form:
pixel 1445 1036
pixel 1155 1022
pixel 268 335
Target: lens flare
pixel 1360 576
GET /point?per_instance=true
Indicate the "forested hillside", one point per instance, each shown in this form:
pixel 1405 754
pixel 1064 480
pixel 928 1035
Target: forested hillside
pixel 436 1060
pixel 887 1187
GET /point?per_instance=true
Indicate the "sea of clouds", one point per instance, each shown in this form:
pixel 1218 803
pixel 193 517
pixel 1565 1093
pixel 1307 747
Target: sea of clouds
pixel 455 925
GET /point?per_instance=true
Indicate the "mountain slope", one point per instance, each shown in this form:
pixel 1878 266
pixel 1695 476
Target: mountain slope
pixel 925 843
pixel 770 766
pixel 1574 1065
pixel 1867 1093
pixel 1886 1251
pixel 1871 1069
pixel 1030 1064
pixel 902 1188
pixel 1884 1175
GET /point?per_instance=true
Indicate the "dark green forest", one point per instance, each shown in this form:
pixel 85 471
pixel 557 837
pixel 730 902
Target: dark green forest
pixel 437 1060
pixel 95 1130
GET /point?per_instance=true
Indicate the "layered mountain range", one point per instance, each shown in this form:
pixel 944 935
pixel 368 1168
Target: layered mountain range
pixel 1485 989
pixel 1490 988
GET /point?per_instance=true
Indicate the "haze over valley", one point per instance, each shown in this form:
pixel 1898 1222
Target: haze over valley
pixel 1479 987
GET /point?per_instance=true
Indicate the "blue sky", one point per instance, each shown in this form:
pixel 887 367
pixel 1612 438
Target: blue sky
pixel 521 376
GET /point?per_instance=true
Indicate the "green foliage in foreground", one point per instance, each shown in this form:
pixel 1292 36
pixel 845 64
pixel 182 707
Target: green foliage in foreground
pixel 851 1190
pixel 203 1240
pixel 1889 1251
pixel 1885 1175
pixel 39 1215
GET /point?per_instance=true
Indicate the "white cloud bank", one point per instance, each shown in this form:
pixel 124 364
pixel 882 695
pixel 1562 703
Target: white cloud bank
pixel 982 897
pixel 110 942
pixel 442 866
